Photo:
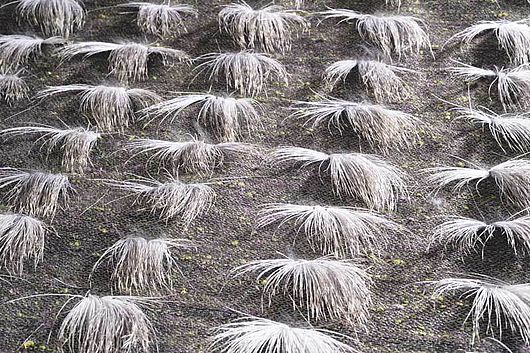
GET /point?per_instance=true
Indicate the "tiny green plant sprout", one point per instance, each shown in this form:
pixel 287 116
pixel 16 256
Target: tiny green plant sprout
pixel 12 87
pixel 161 20
pixel 324 288
pixel 392 33
pixel 38 194
pixel 21 240
pixel 381 127
pixel 128 61
pixel 376 182
pixel 111 108
pixel 74 144
pixel 267 28
pixel 341 231
pixel 383 80
pixel 16 50
pixel 228 117
pixel 245 71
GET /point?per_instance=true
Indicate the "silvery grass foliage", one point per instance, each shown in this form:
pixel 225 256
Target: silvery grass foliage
pixel 513 37
pixel 510 131
pixel 267 28
pixel 195 156
pixel 466 234
pixel 54 17
pixel 227 116
pixel 35 193
pixel 169 199
pixel 245 71
pixel 501 305
pixel 112 108
pixel 21 240
pixel 342 231
pixel 512 85
pixel 74 144
pixel 376 182
pixel 109 324
pixel 142 265
pixel 128 61
pixel 17 50
pixel 392 34
pixel 162 20
pixel 381 78
pixel 328 289
pixel 380 126
pixel 511 177
pixel 250 334
pixel 12 87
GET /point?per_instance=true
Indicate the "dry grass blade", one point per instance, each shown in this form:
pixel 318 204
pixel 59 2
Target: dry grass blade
pixel 141 265
pixel 501 305
pixel 162 20
pixel 170 199
pixel 513 37
pixel 110 324
pixel 35 193
pixel 267 28
pixel 377 76
pixel 226 116
pixel 245 71
pixel 511 177
pixel 194 156
pixel 465 234
pixel 327 289
pixel 55 17
pixel 392 34
pixel 112 108
pixel 256 335
pixel 380 126
pixel 74 144
pixel 377 183
pixel 16 50
pixel 341 231
pixel 12 87
pixel 127 61
pixel 21 240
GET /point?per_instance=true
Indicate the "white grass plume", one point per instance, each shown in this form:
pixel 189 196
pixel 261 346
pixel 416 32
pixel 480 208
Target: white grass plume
pixel 35 193
pixel 111 107
pixel 513 85
pixel 109 324
pixel 392 34
pixel 169 199
pixel 54 17
pixel 381 78
pixel 252 334
pixel 510 131
pixel 376 182
pixel 342 231
pixel 21 240
pixel 12 87
pixel 513 37
pixel 511 177
pixel 227 116
pixel 128 62
pixel 16 50
pixel 466 234
pixel 141 265
pixel 74 144
pixel 327 289
pixel 245 71
pixel 377 124
pixel 267 28
pixel 162 20
pixel 195 156
pixel 501 305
